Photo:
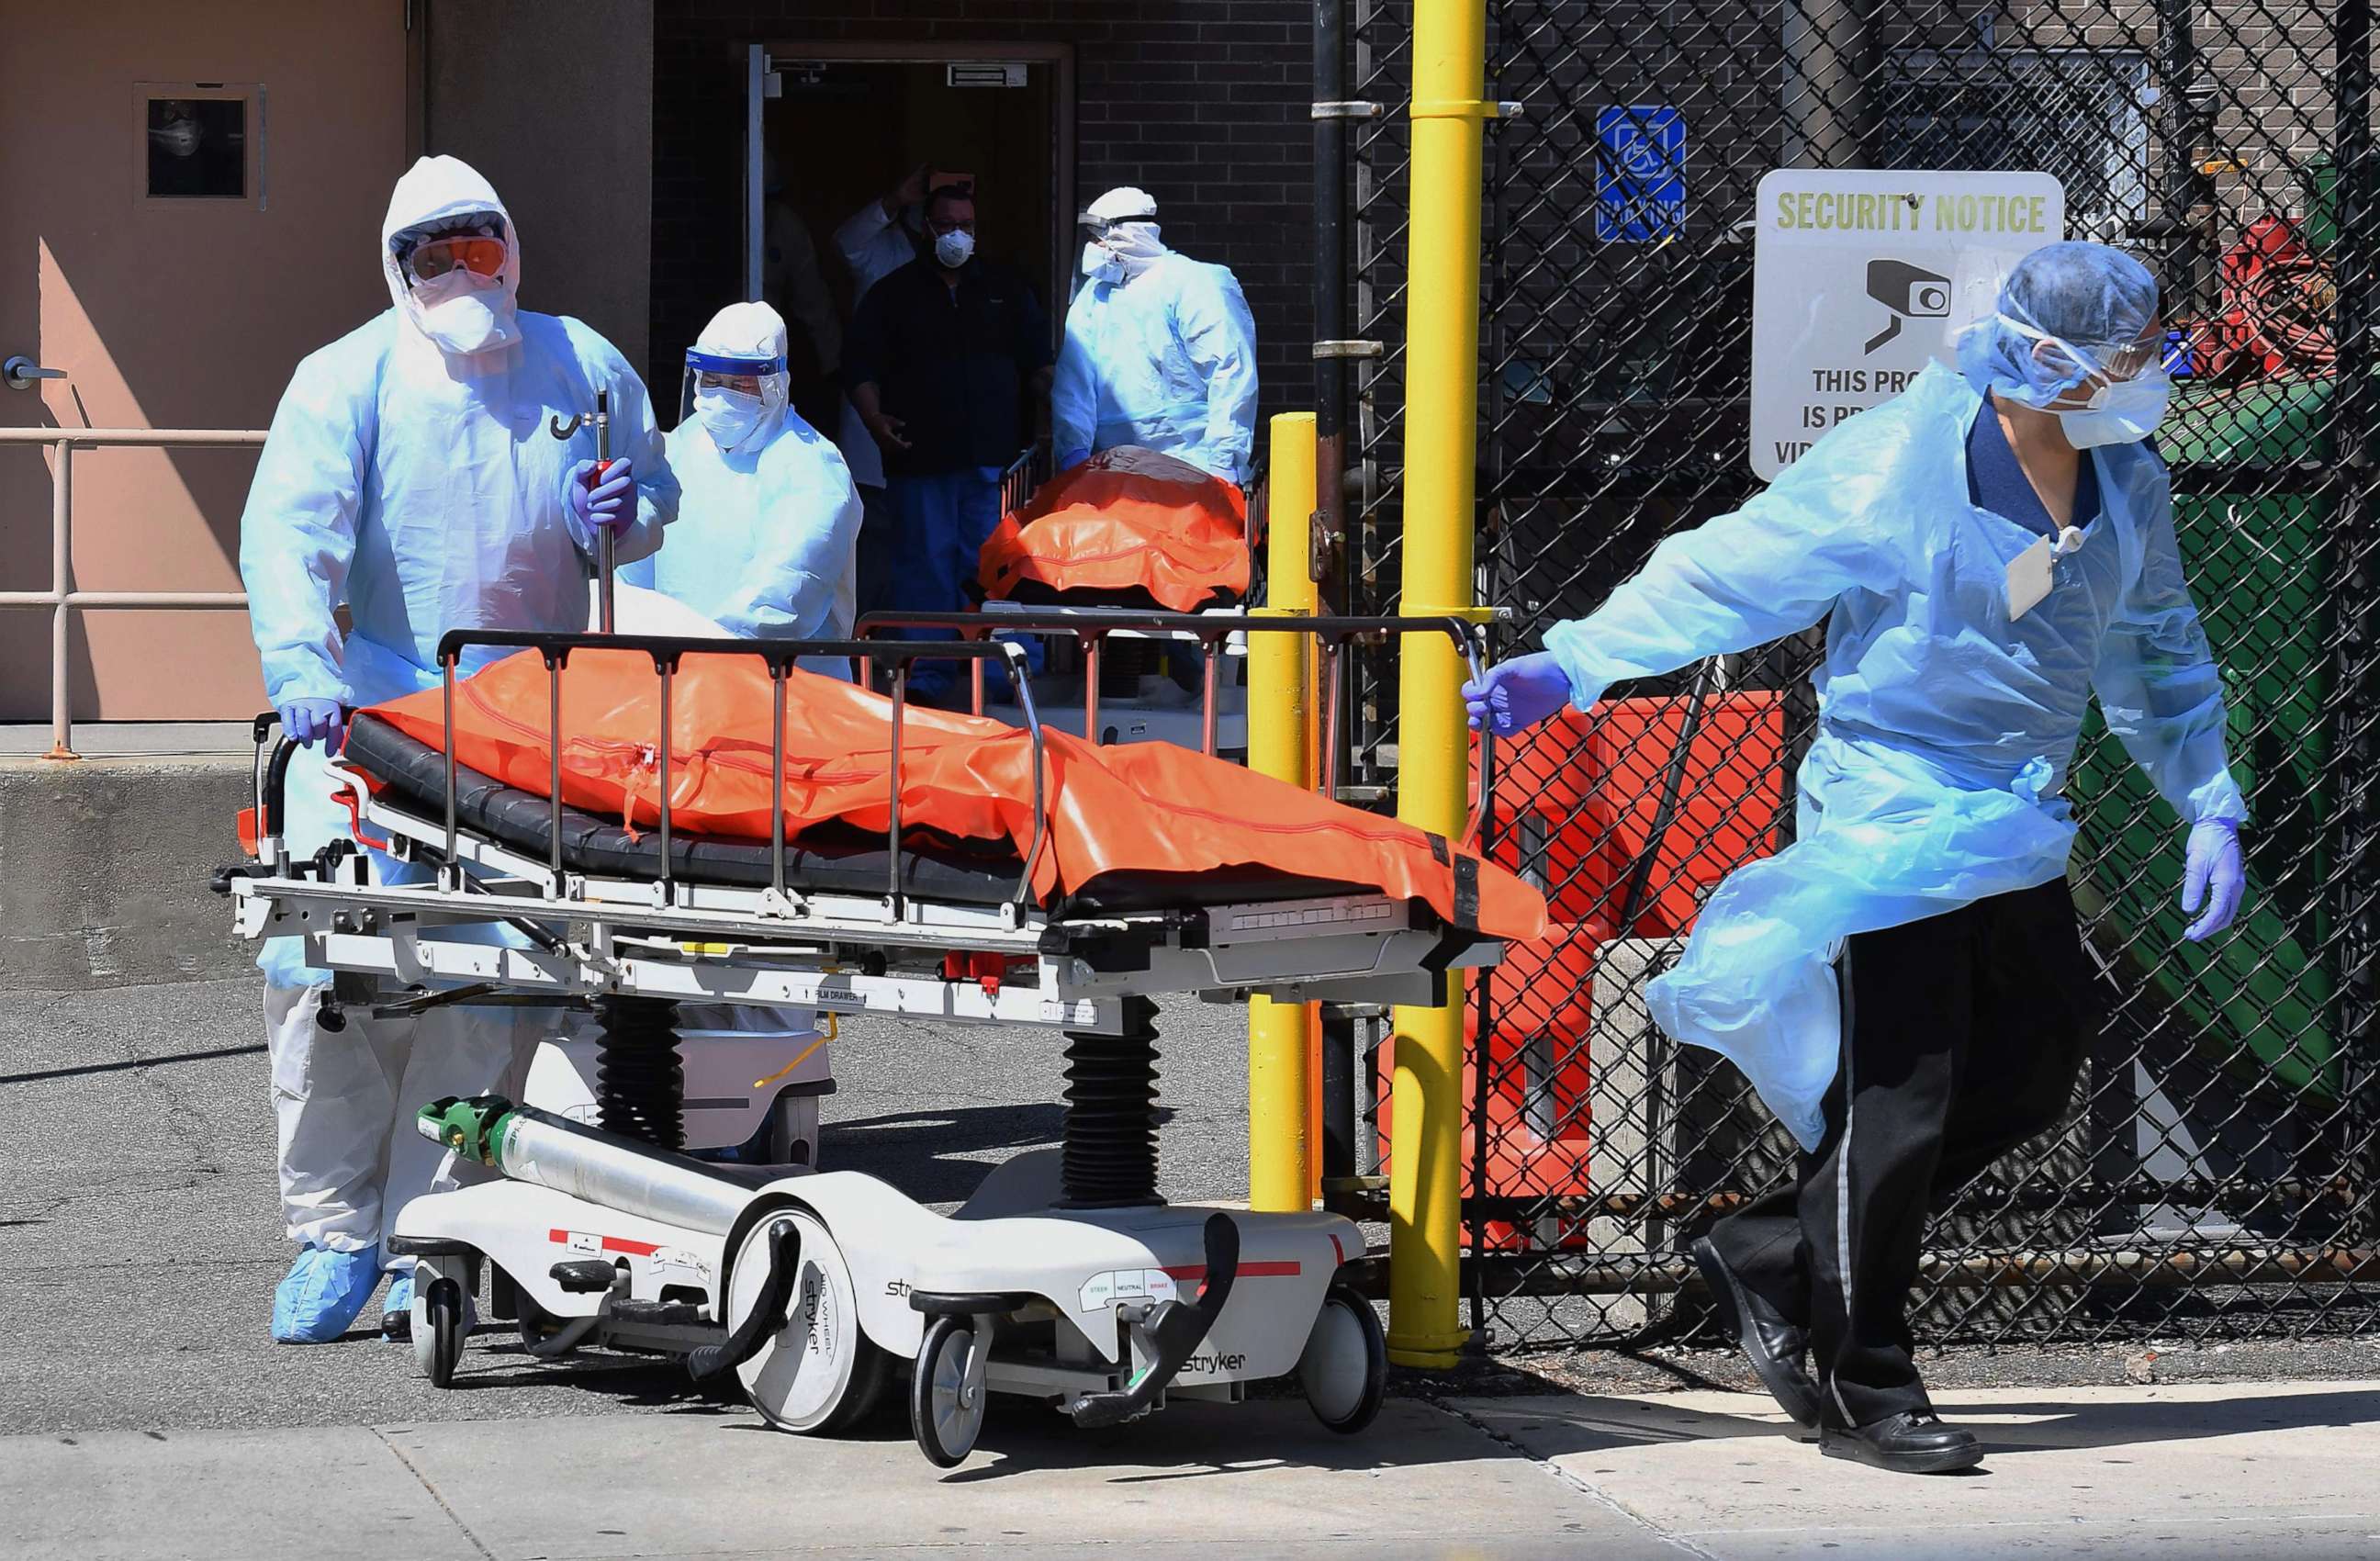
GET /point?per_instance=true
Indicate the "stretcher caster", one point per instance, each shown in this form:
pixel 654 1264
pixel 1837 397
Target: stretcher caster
pixel 1344 1370
pixel 441 1318
pixel 946 1395
pixel 816 1371
pixel 538 1327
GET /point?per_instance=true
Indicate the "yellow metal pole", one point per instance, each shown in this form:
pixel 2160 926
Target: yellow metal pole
pixel 1441 404
pixel 1280 1090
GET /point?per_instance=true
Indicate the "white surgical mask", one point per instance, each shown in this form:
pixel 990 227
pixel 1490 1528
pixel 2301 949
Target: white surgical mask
pixel 1101 263
pixel 465 313
pixel 728 415
pixel 2120 412
pixel 955 248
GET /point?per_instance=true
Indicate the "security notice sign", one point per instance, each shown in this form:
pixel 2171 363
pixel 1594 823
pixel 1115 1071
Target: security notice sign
pixel 1859 278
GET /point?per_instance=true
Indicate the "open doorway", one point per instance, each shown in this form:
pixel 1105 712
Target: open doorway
pixel 841 124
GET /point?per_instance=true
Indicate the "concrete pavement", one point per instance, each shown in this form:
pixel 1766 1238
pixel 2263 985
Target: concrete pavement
pixel 2187 1473
pixel 2174 1472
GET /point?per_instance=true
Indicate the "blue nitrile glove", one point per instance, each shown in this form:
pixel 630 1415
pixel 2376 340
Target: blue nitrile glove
pixel 609 504
pixel 1516 694
pixel 1072 458
pixel 312 722
pixel 2213 873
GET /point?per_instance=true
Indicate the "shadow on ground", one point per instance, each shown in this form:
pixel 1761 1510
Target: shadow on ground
pixel 1594 1423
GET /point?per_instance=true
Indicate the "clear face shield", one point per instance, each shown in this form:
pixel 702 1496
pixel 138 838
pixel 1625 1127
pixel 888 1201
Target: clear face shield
pixel 728 394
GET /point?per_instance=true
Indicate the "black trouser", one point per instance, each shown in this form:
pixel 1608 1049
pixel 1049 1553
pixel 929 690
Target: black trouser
pixel 1961 1036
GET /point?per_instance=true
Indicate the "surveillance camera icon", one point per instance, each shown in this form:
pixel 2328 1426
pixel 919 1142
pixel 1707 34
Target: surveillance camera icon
pixel 1910 292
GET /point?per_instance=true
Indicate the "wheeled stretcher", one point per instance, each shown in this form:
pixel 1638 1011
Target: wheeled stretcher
pixel 1065 1277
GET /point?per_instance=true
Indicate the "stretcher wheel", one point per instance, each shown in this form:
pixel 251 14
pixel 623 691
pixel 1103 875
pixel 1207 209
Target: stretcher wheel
pixel 1344 1369
pixel 817 1372
pixel 946 1395
pixel 439 1323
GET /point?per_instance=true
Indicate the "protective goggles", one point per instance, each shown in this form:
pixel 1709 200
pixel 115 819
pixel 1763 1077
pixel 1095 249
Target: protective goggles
pixel 433 258
pixel 1096 229
pixel 2102 361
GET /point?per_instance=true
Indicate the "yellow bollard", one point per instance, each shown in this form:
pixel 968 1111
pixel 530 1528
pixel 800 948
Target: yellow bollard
pixel 1280 1045
pixel 1432 781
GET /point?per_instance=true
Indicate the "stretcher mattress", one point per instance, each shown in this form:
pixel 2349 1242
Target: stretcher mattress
pixel 1148 825
pixel 1128 527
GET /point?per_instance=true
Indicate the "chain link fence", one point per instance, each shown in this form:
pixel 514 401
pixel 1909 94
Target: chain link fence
pixel 2215 1178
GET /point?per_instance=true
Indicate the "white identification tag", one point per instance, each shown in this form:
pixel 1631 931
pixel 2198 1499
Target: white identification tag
pixel 2029 576
pixel 2033 571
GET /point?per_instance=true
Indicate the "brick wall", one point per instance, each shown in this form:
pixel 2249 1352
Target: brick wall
pixel 1203 102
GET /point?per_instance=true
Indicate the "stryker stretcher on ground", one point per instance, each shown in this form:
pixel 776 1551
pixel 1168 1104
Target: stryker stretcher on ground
pixel 1066 1277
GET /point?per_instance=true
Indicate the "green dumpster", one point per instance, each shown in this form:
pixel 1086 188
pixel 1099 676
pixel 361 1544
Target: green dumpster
pixel 2258 1000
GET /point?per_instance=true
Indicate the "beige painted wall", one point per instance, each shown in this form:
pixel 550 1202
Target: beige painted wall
pixel 172 314
pixel 553 100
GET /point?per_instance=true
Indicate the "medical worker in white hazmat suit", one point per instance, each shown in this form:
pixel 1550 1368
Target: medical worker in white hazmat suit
pixel 411 478
pixel 764 544
pixel 1160 350
pixel 1904 984
pixel 768 518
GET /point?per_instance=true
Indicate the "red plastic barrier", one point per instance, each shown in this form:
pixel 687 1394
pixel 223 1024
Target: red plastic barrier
pixel 1542 1001
pixel 1578 797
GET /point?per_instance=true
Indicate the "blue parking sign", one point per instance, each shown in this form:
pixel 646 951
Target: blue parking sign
pixel 1640 174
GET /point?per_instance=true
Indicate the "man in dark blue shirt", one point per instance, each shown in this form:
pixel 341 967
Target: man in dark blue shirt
pixel 946 361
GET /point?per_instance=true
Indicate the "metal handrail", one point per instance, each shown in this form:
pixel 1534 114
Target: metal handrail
pixel 62 598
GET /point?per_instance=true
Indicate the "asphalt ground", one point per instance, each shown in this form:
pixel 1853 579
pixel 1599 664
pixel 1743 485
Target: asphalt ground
pixel 141 1236
pixel 141 1240
pixel 145 1415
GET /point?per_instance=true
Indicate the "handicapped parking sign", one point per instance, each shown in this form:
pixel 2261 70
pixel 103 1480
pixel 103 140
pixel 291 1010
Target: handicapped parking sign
pixel 1640 174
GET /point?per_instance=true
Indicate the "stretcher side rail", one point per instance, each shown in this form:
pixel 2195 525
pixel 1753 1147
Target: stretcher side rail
pixel 1090 626
pixel 780 656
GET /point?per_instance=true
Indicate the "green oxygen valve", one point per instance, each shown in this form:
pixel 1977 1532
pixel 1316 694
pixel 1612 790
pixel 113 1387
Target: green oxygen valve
pixel 467 1127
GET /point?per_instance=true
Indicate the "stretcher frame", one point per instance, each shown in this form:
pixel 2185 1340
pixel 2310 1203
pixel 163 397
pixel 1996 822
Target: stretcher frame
pixel 1215 634
pixel 583 936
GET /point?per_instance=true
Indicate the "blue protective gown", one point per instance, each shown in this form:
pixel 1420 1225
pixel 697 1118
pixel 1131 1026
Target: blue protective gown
pixel 1945 728
pixel 762 545
pixel 1166 361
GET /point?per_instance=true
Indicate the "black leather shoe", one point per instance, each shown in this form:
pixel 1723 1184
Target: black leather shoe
pixel 1774 1346
pixel 1914 1442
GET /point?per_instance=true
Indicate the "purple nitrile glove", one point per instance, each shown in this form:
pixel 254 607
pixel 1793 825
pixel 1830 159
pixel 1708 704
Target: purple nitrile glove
pixel 2213 873
pixel 1516 694
pixel 601 504
pixel 310 722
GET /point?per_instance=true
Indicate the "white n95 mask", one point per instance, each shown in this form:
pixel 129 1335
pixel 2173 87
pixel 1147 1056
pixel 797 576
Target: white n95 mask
pixel 465 313
pixel 2120 412
pixel 955 248
pixel 728 417
pixel 1101 263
